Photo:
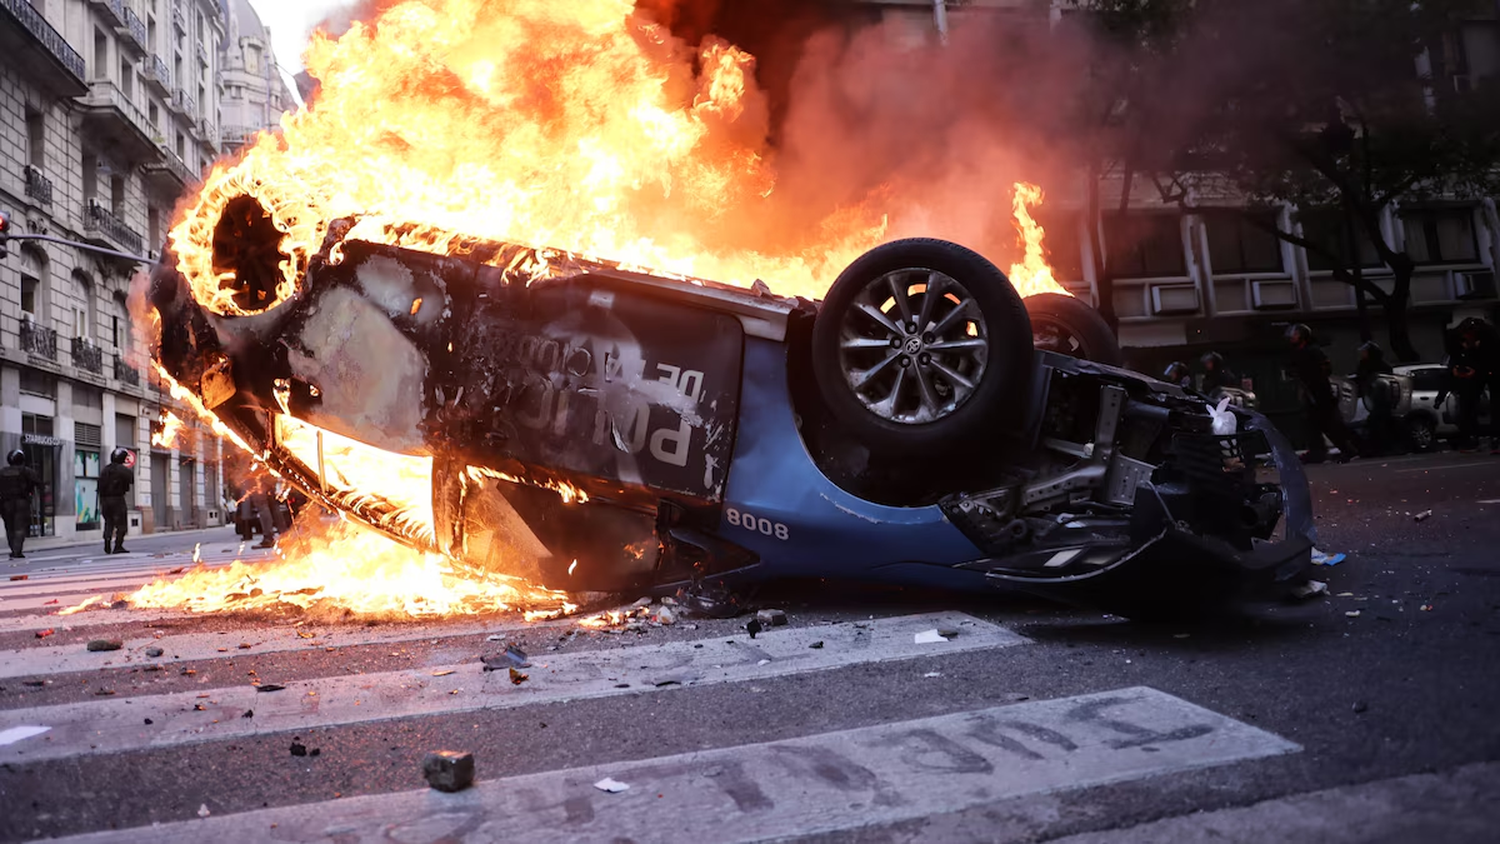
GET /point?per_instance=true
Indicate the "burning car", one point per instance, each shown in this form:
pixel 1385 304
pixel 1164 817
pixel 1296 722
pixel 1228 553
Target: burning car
pixel 596 428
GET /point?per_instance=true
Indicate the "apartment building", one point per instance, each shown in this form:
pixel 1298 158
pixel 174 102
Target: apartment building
pixel 255 91
pixel 109 112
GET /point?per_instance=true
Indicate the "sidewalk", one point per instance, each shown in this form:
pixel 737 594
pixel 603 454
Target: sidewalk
pixel 52 543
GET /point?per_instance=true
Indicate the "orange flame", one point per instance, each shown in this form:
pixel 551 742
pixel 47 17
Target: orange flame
pixel 1032 275
pixel 170 426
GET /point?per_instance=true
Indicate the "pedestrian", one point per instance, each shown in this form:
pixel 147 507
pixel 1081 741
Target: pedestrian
pixel 260 505
pixel 1376 395
pixel 1467 376
pixel 1177 373
pixel 18 483
pixel 114 482
pixel 1217 376
pixel 1311 370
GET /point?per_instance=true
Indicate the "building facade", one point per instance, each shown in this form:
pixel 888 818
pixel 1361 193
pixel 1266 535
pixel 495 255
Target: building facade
pixel 111 110
pixel 255 92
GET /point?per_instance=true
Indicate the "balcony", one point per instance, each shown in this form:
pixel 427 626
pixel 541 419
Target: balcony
pixel 125 373
pixel 133 32
pixel 38 186
pixel 38 340
pixel 183 103
pixel 97 221
pixel 41 52
pixel 202 54
pixel 113 11
pixel 238 136
pixel 154 71
pixel 87 356
pixel 171 174
pixel 179 21
pixel 208 133
pixel 112 115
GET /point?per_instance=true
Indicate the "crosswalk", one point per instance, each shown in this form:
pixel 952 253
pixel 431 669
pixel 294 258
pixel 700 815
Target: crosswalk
pixel 782 746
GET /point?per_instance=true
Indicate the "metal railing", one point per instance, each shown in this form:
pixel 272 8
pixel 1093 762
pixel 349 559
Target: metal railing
pixel 178 19
pixel 32 21
pixel 125 373
pixel 97 219
pixel 134 29
pixel 202 53
pixel 207 131
pixel 114 10
pixel 173 165
pixel 38 340
pixel 109 95
pixel 235 135
pixel 87 356
pixel 38 186
pixel 184 102
pixel 154 69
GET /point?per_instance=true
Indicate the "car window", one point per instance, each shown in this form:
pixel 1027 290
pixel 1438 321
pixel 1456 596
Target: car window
pixel 1427 380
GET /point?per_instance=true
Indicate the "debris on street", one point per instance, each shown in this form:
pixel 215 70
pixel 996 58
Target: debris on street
pixel 154 651
pixel 753 626
pixel 1319 558
pixel 105 645
pixel 446 671
pixel 771 618
pixel 1352 613
pixel 932 637
pixel 816 645
pixel 1424 515
pixel 517 678
pixel 1360 706
pixel 612 786
pixel 42 634
pixel 512 657
pixel 449 770
pixel 15 734
pixel 203 811
pixel 269 687
pixel 1310 589
pixel 298 748
pixel 16 577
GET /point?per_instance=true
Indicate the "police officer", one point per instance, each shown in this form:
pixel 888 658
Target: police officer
pixel 18 482
pixel 1177 373
pixel 1217 376
pixel 1377 397
pixel 1311 369
pixel 114 482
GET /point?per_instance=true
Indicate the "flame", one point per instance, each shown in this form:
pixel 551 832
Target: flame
pixel 170 426
pixel 1032 275
pixel 569 493
pixel 348 568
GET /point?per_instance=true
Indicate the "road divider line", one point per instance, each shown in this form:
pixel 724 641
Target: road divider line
pixel 830 782
pixel 114 724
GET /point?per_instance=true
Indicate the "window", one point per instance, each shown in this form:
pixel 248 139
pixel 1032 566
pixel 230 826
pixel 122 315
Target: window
pixel 38 384
pixel 127 78
pixel 33 283
pixel 101 55
pixel 30 288
pixel 125 431
pixel 1441 235
pixel 153 227
pixel 36 139
pixel 1061 242
pixel 90 177
pixel 1329 229
pixel 91 398
pixel 117 195
pixel 1428 379
pixel 1144 245
pixel 154 115
pixel 1241 242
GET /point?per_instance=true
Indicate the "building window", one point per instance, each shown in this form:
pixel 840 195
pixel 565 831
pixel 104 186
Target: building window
pixel 1329 229
pixel 1061 241
pixel 101 55
pixel 90 177
pixel 35 383
pixel 36 139
pixel 1240 242
pixel 1144 245
pixel 1441 235
pixel 117 195
pixel 33 283
pixel 30 293
pixel 86 475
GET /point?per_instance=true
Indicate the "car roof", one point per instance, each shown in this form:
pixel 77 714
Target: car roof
pixel 1413 368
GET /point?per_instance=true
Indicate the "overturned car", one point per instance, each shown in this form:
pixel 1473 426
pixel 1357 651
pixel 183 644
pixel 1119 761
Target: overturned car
pixel 595 428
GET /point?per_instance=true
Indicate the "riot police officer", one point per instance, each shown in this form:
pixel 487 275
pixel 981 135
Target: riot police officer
pixel 1217 376
pixel 18 482
pixel 114 482
pixel 1177 373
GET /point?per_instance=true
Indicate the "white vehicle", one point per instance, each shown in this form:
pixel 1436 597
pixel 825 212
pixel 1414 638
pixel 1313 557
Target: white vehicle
pixel 1413 391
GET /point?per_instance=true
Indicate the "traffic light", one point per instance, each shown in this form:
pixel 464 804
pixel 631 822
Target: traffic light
pixel 4 233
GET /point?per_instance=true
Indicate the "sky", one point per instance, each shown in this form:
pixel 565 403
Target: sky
pixel 291 22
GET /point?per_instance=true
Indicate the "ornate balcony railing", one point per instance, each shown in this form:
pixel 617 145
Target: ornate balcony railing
pixel 50 39
pixel 97 219
pixel 87 356
pixel 173 166
pixel 125 373
pixel 38 186
pixel 178 19
pixel 133 32
pixel 184 102
pixel 202 54
pixel 38 340
pixel 114 10
pixel 154 69
pixel 107 95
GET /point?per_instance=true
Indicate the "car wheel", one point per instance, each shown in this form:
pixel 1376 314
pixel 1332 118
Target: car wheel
pixel 920 346
pixel 1421 433
pixel 1070 326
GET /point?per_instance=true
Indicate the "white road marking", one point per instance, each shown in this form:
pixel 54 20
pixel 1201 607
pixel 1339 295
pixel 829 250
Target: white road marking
pixel 1489 501
pixel 1472 464
pixel 116 724
pixel 839 781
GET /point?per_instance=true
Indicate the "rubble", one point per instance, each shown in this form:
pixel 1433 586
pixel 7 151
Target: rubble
pixel 1321 559
pixel 932 637
pixel 753 626
pixel 1423 516
pixel 512 657
pixel 298 748
pixel 771 618
pixel 42 634
pixel 269 687
pixel 612 786
pixel 449 770
pixel 664 616
pixel 1309 589
pixel 154 652
pixel 818 645
pixel 517 678
pixel 105 645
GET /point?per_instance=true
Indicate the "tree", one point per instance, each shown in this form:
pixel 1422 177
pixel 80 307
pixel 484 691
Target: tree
pixel 1325 104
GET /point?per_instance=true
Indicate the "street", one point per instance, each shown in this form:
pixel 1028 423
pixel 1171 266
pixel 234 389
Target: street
pixel 1364 715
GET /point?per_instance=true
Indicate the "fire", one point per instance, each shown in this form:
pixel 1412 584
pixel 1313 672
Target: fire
pixel 1032 275
pixel 347 567
pixel 167 436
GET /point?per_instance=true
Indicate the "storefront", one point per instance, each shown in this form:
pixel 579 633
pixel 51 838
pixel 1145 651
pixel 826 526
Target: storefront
pixel 42 450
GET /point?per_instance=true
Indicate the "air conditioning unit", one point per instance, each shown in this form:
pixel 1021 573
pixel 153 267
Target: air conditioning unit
pixel 1475 284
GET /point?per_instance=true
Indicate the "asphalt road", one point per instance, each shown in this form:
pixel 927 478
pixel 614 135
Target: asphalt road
pixel 1364 716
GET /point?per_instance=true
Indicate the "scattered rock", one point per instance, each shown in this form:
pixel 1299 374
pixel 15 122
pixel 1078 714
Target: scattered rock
pixel 104 692
pixel 299 749
pixel 249 713
pixel 1360 706
pixel 42 634
pixel 149 722
pixel 449 770
pixel 269 687
pixel 1423 516
pixel 517 678
pixel 611 785
pixel 664 615
pixel 154 652
pixel 512 657
pixel 120 604
pixel 818 645
pixel 771 618
pixel 753 626
pixel 106 645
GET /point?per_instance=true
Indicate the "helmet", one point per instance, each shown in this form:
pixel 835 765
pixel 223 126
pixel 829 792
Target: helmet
pixel 1299 332
pixel 1175 372
pixel 119 455
pixel 1212 360
pixel 16 458
pixel 1372 348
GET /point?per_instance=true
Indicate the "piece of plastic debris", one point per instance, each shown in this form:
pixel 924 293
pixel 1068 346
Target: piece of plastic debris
pixel 494 637
pixel 771 618
pixel 933 674
pixel 203 811
pixel 12 735
pixel 612 786
pixel 444 673
pixel 1309 589
pixel 269 687
pixel 42 634
pixel 105 645
pixel 664 615
pixel 1321 559
pixel 932 637
pixel 753 626
pixel 517 678
pixel 449 770
pixel 1423 516
pixel 1352 613
pixel 764 662
pixel 816 645
pixel 1224 422
pixel 16 577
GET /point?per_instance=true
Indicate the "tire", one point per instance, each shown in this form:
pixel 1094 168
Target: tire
pixel 1070 326
pixel 1421 433
pixel 970 366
